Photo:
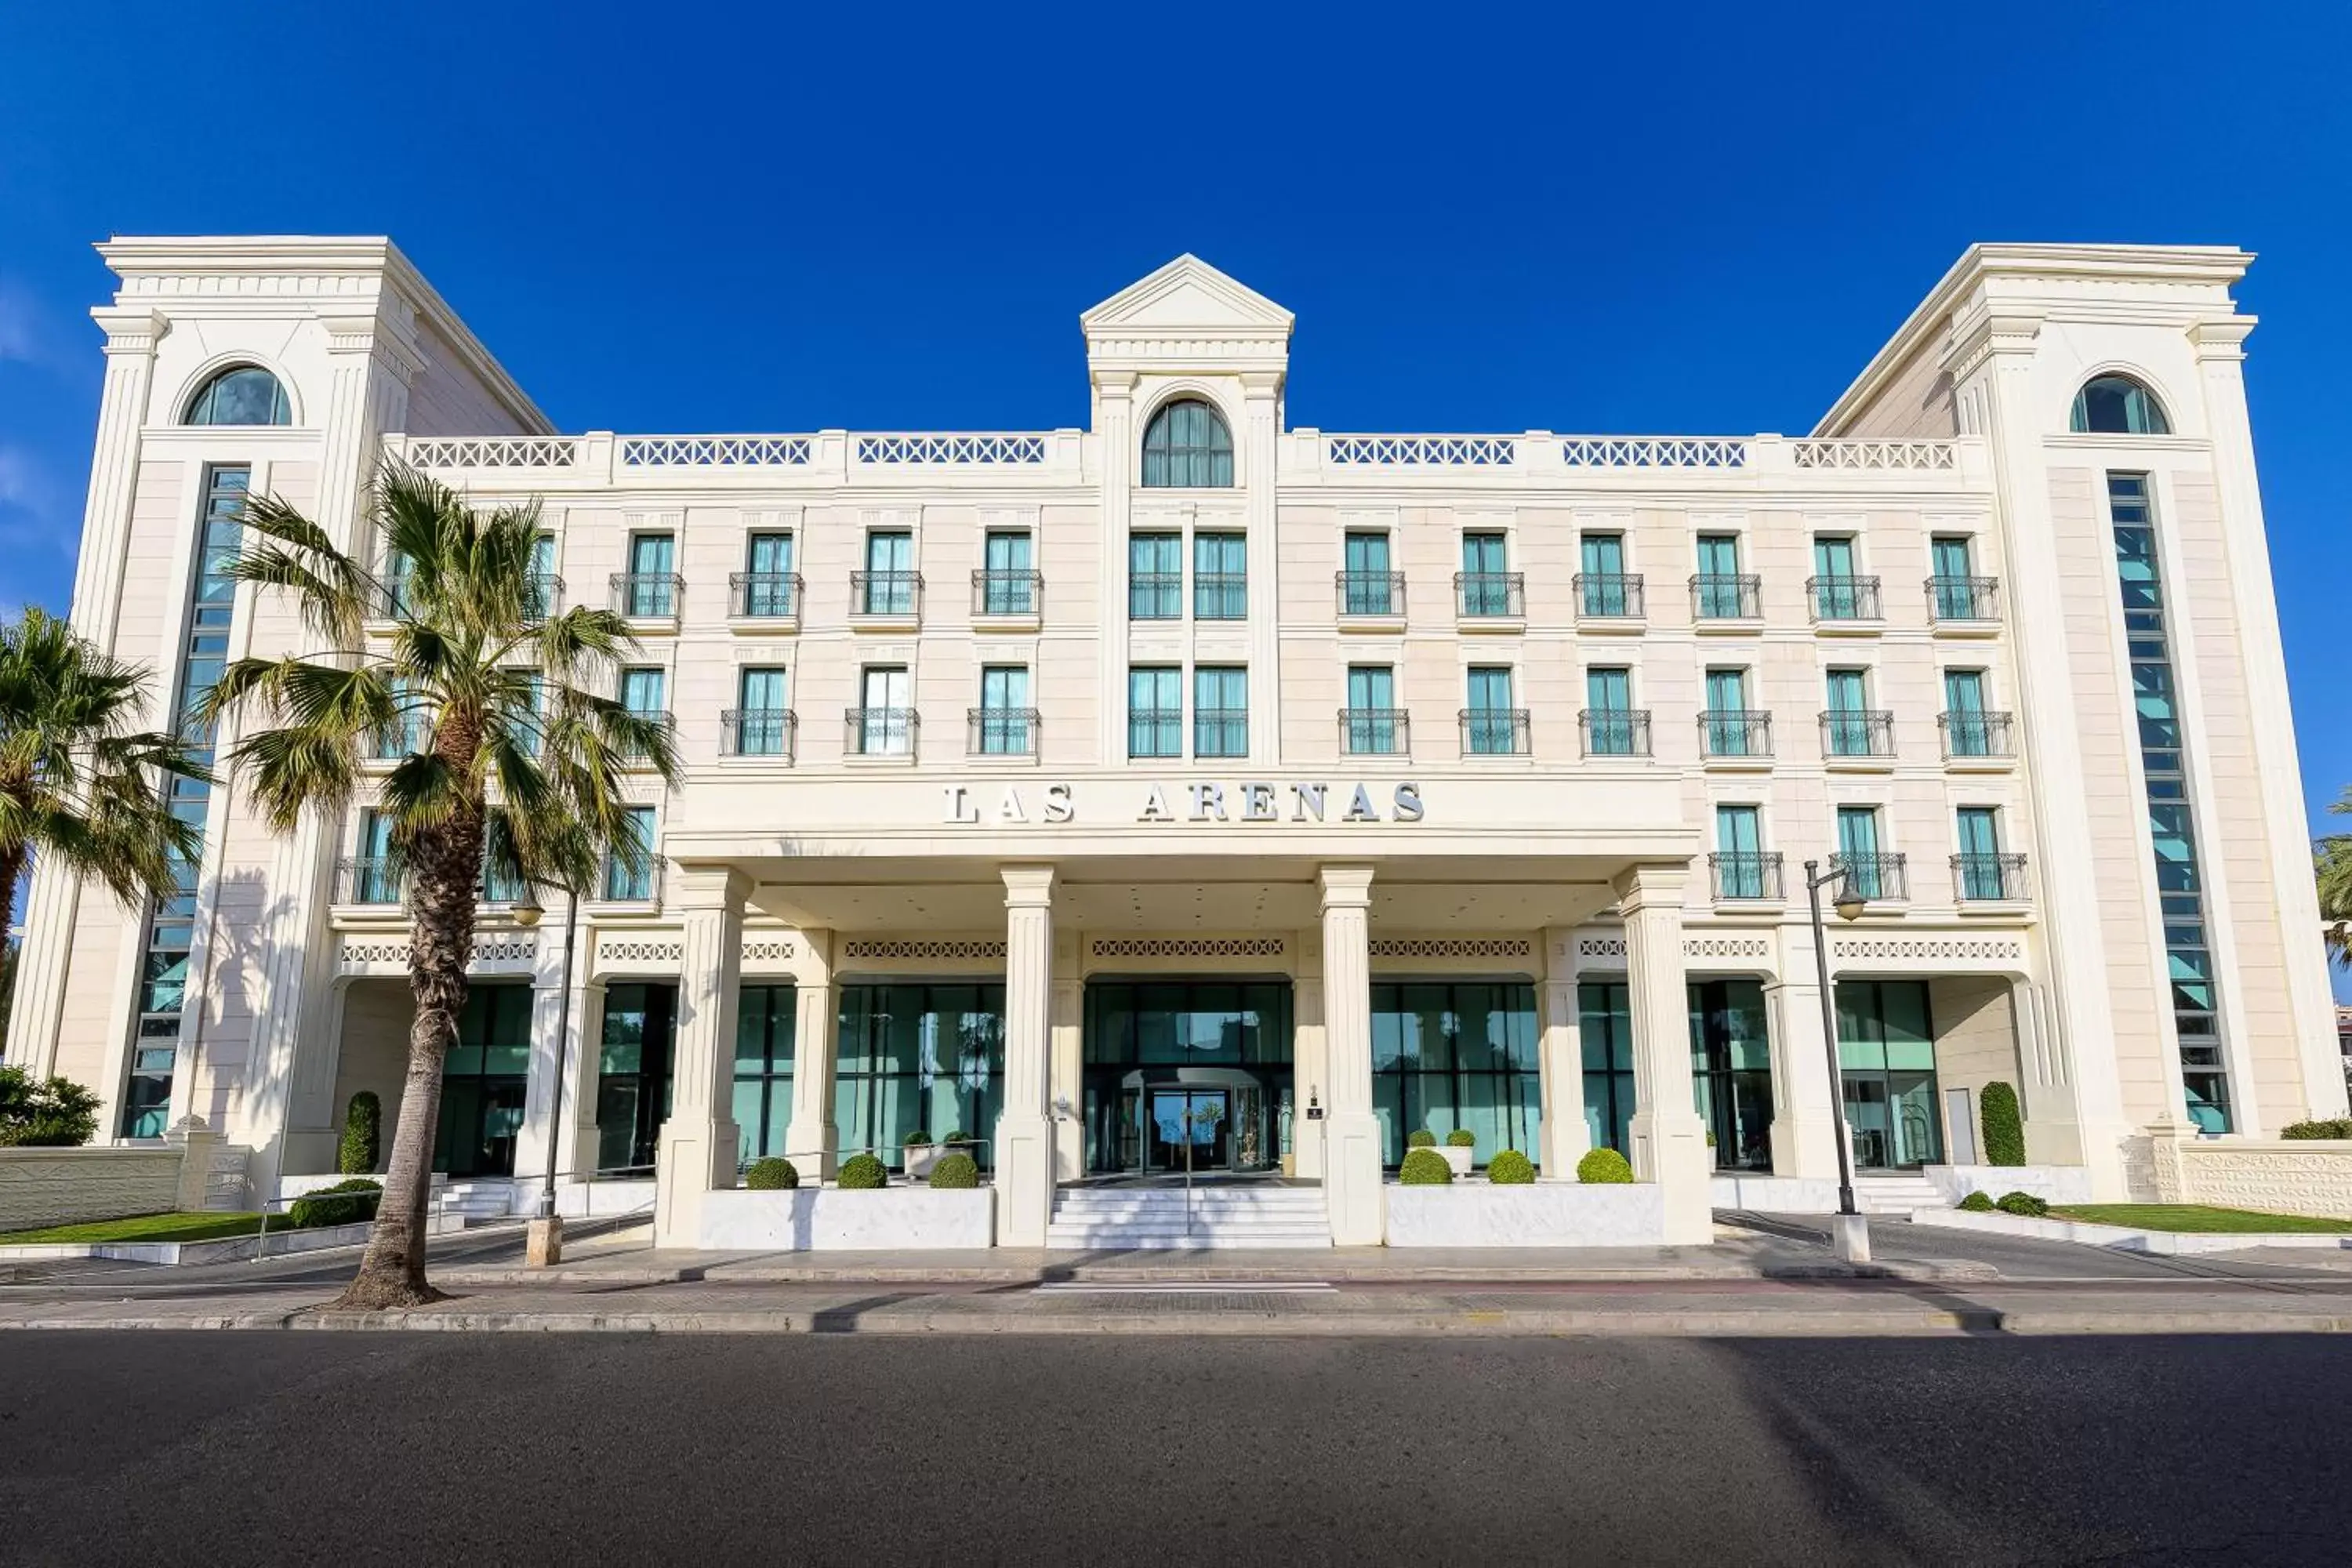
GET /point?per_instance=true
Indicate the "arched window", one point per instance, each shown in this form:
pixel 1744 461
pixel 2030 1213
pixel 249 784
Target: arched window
pixel 243 394
pixel 1187 447
pixel 2117 406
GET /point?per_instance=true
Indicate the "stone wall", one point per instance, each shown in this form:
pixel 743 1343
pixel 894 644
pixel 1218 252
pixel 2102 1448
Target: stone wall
pixel 67 1186
pixel 2283 1175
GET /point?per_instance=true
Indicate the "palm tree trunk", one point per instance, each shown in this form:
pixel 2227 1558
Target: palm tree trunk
pixel 444 873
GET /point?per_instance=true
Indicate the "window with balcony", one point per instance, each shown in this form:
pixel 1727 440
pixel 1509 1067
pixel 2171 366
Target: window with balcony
pixel 1850 726
pixel 1367 586
pixel 1981 872
pixel 2117 406
pixel 1487 587
pixel 242 395
pixel 1604 590
pixel 1221 710
pixel 1008 581
pixel 1727 726
pixel 374 880
pixel 1492 725
pixel 1373 724
pixel 542 588
pixel 1187 446
pixel 1957 591
pixel 1219 577
pixel 1155 710
pixel 1721 591
pixel 762 724
pixel 1004 725
pixel 883 724
pixel 768 589
pixel 889 584
pixel 1969 730
pixel 1612 727
pixel 1743 870
pixel 1840 593
pixel 648 589
pixel 625 883
pixel 1155 576
pixel 1870 873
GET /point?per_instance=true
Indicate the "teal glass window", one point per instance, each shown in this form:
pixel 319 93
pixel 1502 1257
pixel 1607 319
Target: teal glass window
pixel 634 1072
pixel 1731 1071
pixel 765 1021
pixel 1608 712
pixel 889 573
pixel 1857 837
pixel 1372 726
pixel 1155 576
pixel 1456 1054
pixel 650 590
pixel 245 394
pixel 763 713
pixel 1155 711
pixel 482 1083
pixel 627 884
pixel 1740 865
pixel 1187 446
pixel 2117 406
pixel 1605 1034
pixel 918 1058
pixel 1603 589
pixel 1007 723
pixel 1886 1056
pixel 1221 710
pixel 1368 586
pixel 767 576
pixel 1219 577
pixel 1181 1073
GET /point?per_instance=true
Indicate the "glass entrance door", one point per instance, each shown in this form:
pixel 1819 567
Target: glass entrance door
pixel 1886 1050
pixel 1188 1129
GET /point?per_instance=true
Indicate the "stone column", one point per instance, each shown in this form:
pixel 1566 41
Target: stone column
pixel 1067 1086
pixel 1807 1110
pixel 698 1143
pixel 1308 1072
pixel 1566 1137
pixel 1351 1132
pixel 812 1142
pixel 1669 1143
pixel 554 1051
pixel 1024 1132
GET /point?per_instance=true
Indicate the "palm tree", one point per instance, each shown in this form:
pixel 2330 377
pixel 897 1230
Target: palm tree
pixel 77 783
pixel 2332 862
pixel 507 766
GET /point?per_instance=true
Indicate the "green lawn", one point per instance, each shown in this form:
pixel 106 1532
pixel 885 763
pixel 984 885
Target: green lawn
pixel 142 1228
pixel 2195 1217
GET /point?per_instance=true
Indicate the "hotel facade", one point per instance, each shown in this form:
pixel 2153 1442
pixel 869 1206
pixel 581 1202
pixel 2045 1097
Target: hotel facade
pixel 1201 791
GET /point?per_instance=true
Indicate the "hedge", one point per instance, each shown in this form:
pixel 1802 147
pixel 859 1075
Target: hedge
pixel 1425 1167
pixel 1604 1165
pixel 2004 1127
pixel 1511 1169
pixel 863 1173
pixel 1420 1138
pixel 2022 1204
pixel 363 1135
pixel 2337 1127
pixel 1978 1203
pixel 958 1171
pixel 1462 1137
pixel 345 1202
pixel 772 1175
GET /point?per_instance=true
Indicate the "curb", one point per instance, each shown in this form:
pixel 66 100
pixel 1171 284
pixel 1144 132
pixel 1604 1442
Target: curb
pixel 1911 1272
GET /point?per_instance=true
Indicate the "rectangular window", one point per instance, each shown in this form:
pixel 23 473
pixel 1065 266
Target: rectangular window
pixel 1857 836
pixel 1373 727
pixel 1155 576
pixel 886 714
pixel 919 1059
pixel 650 589
pixel 1729 732
pixel 540 585
pixel 1491 726
pixel 1980 866
pixel 1155 711
pixel 1886 1056
pixel 765 1026
pixel 1603 588
pixel 1839 592
pixel 1739 867
pixel 1719 592
pixel 1007 723
pixel 633 1074
pixel 1008 581
pixel 373 881
pixel 767 576
pixel 1459 1055
pixel 764 716
pixel 1965 731
pixel 1367 586
pixel 1605 1035
pixel 890 577
pixel 632 884
pixel 1957 591
pixel 643 690
pixel 1219 577
pixel 1847 727
pixel 1221 710
pixel 1486 576
pixel 1608 712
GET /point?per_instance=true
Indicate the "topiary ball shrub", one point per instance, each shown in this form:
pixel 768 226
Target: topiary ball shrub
pixel 958 1170
pixel 1978 1203
pixel 863 1173
pixel 772 1175
pixel 954 1138
pixel 1511 1169
pixel 345 1202
pixel 2025 1205
pixel 1425 1167
pixel 2337 1127
pixel 363 1135
pixel 917 1139
pixel 1604 1165
pixel 1420 1138
pixel 1462 1137
pixel 2004 1128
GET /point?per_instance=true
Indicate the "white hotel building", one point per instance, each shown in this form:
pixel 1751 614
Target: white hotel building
pixel 1049 787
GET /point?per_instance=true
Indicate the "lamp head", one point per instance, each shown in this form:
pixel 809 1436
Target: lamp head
pixel 526 910
pixel 1850 904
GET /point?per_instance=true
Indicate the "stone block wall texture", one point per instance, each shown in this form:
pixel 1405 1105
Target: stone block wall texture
pixel 2279 1176
pixel 69 1186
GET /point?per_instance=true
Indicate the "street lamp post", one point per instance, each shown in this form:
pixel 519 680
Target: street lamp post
pixel 544 1245
pixel 1849 1232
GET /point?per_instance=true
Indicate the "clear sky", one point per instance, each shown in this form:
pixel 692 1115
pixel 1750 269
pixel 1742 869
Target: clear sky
pixel 1647 218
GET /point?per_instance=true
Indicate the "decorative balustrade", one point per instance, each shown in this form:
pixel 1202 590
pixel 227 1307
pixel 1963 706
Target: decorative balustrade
pixel 1871 878
pixel 764 595
pixel 1423 451
pixel 714 451
pixel 1375 732
pixel 1735 732
pixel 886 592
pixel 984 450
pixel 758 733
pixel 647 596
pixel 1490 596
pixel 1745 876
pixel 1976 734
pixel 1609 595
pixel 495 452
pixel 1004 591
pixel 1653 452
pixel 1988 878
pixel 1494 733
pixel 1858 732
pixel 1843 598
pixel 881 732
pixel 1964 598
pixel 1371 593
pixel 1901 456
pixel 1002 732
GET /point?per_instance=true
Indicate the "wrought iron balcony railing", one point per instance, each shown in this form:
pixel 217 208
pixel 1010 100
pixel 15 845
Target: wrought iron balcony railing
pixel 1735 732
pixel 1371 593
pixel 1843 598
pixel 1000 732
pixel 1745 876
pixel 1857 732
pixel 1494 733
pixel 1490 595
pixel 1221 732
pixel 1615 731
pixel 1155 596
pixel 371 879
pixel 1220 597
pixel 1002 591
pixel 886 592
pixel 543 595
pixel 1155 732
pixel 1874 878
pixel 624 884
pixel 647 596
pixel 1728 596
pixel 758 733
pixel 1964 598
pixel 1375 732
pixel 881 732
pixel 765 595
pixel 1976 734
pixel 1609 595
pixel 1988 878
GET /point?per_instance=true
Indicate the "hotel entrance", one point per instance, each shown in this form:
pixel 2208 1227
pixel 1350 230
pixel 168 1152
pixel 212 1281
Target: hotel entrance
pixel 1188 1075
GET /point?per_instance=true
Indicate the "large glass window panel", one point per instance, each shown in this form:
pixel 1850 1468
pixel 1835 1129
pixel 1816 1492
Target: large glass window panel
pixel 1187 446
pixel 1731 1071
pixel 1219 577
pixel 483 1080
pixel 1221 710
pixel 1155 576
pixel 765 1019
pixel 1455 1055
pixel 1605 1033
pixel 1886 1050
pixel 1155 711
pixel 919 1057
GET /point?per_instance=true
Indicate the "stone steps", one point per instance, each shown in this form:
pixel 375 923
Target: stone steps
pixel 1156 1218
pixel 1896 1195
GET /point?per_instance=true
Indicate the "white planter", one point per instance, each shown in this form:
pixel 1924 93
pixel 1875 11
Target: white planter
pixel 2052 1184
pixel 821 1220
pixel 1459 1158
pixel 920 1158
pixel 1542 1214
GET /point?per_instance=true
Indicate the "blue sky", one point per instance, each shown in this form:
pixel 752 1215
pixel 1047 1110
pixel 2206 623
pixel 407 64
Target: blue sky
pixel 1661 218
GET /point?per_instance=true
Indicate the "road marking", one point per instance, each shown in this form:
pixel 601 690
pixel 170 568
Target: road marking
pixel 1186 1288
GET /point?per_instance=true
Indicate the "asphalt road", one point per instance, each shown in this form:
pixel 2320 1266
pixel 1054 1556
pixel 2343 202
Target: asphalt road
pixel 426 1449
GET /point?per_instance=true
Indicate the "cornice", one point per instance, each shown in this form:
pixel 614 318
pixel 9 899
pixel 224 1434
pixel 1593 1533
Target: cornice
pixel 130 330
pixel 2221 338
pixel 1981 332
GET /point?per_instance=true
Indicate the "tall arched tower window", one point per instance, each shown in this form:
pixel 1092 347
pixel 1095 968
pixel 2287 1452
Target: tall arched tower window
pixel 2117 406
pixel 242 395
pixel 1188 447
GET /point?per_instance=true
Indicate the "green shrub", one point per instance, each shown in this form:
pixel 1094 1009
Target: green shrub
pixel 954 1138
pixel 772 1175
pixel 57 1114
pixel 1604 1165
pixel 1420 1138
pixel 2022 1204
pixel 1511 1169
pixel 863 1173
pixel 345 1202
pixel 1978 1203
pixel 2004 1128
pixel 1425 1167
pixel 2337 1127
pixel 958 1170
pixel 363 1135
pixel 1462 1137
pixel 917 1139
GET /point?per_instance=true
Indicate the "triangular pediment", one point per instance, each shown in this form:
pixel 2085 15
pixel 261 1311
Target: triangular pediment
pixel 1188 295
